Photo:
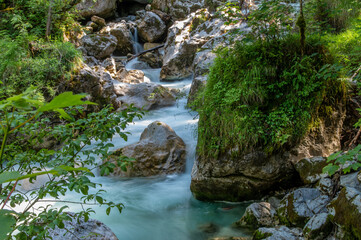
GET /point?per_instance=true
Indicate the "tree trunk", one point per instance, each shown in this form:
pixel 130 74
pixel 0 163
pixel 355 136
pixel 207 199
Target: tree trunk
pixel 48 21
pixel 301 23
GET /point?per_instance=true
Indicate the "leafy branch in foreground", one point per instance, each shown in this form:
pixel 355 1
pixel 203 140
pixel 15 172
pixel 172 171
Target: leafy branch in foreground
pixel 27 152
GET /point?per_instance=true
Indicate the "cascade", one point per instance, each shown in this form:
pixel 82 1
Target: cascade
pixel 163 208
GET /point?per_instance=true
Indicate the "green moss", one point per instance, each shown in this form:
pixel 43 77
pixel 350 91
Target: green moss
pixel 347 216
pixel 260 235
pixel 265 95
pixel 198 20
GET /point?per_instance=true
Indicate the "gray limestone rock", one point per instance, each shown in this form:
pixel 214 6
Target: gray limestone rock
pixel 123 35
pixel 151 28
pixel 310 169
pixel 278 233
pixel 300 205
pixel 90 230
pixel 160 151
pixel 101 8
pixel 257 215
pixel 145 95
pixel 99 46
pixel 318 227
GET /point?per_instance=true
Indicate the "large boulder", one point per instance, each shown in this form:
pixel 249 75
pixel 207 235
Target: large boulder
pixel 99 46
pixel 347 206
pixel 257 215
pixel 101 8
pixel 99 85
pixel 144 95
pixel 185 38
pixel 87 230
pixel 253 174
pixel 300 205
pixel 123 35
pixel 310 169
pixel 151 28
pixel 160 151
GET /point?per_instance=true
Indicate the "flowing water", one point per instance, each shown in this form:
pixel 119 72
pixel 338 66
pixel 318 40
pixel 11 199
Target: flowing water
pixel 163 208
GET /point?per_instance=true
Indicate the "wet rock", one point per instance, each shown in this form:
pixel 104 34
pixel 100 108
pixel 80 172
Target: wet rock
pixel 310 169
pixel 256 215
pixel 90 230
pixel 145 95
pixel 318 227
pixel 185 38
pixel 278 233
pixel 208 228
pixel 347 206
pixel 151 28
pixel 153 59
pixel 101 8
pixel 160 151
pixel 300 205
pixel 123 35
pixel 99 46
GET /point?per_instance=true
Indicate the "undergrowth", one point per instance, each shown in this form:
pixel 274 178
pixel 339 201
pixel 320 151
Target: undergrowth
pixel 264 94
pixel 25 61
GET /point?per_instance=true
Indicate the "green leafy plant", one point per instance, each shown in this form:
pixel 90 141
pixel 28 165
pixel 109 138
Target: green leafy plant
pixel 264 94
pixel 24 129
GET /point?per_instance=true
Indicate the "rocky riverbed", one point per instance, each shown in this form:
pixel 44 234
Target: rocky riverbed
pixel 291 198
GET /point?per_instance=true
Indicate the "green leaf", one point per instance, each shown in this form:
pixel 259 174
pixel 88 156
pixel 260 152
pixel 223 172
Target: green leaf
pixel 66 99
pixel 330 169
pixel 333 156
pixel 7 221
pixel 9 176
pixel 14 175
pixel 63 114
pixel 71 169
pixel 99 199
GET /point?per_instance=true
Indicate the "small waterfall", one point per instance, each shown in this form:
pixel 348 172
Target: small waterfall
pixel 136 45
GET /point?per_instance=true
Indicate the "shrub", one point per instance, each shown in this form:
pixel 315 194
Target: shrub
pixel 43 64
pixel 263 94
